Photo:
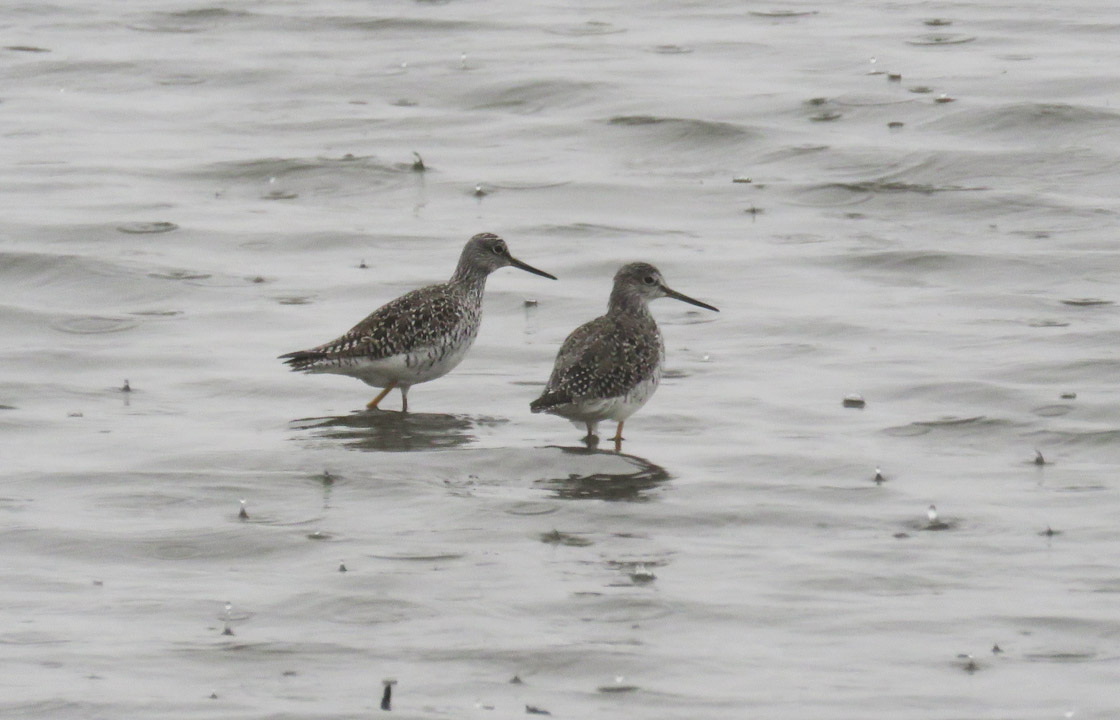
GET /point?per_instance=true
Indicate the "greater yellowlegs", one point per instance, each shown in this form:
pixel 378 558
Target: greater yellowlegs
pixel 608 368
pixel 420 336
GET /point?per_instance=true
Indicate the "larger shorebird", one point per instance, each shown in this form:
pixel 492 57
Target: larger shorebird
pixel 420 336
pixel 607 369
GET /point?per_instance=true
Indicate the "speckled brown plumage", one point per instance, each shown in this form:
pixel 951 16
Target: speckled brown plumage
pixel 421 335
pixel 607 369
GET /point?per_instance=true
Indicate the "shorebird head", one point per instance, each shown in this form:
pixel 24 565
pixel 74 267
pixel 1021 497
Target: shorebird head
pixel 645 281
pixel 486 252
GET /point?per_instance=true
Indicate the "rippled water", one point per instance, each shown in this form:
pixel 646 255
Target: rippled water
pixel 911 202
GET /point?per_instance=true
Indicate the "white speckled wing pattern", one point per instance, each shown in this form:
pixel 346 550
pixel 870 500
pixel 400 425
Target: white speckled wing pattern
pixel 606 369
pixel 419 336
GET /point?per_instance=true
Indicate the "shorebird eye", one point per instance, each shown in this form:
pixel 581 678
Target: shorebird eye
pixel 649 280
pixel 499 249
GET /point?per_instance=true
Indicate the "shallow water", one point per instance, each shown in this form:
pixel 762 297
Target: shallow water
pixel 194 189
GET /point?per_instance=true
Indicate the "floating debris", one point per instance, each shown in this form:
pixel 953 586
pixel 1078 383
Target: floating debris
pixel 213 696
pixel 75 415
pixel 242 513
pixel 854 400
pixel 387 694
pixel 921 89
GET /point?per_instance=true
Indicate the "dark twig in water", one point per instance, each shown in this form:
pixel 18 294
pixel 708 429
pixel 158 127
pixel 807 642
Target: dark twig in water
pixel 387 695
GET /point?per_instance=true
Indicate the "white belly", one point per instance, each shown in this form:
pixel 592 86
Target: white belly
pixel 418 366
pixel 616 408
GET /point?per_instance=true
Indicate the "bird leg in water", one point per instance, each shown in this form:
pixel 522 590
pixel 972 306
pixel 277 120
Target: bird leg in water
pixel 372 405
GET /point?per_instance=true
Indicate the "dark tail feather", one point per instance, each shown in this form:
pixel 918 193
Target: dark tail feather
pixel 301 359
pixel 548 400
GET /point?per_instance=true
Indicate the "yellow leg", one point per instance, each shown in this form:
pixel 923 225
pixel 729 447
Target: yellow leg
pixel 372 404
pixel 618 433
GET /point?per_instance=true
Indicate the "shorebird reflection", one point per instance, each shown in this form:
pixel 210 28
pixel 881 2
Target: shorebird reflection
pixel 393 432
pixel 605 475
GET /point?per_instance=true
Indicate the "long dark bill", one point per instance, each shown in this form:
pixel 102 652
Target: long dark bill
pixel 684 298
pixel 529 268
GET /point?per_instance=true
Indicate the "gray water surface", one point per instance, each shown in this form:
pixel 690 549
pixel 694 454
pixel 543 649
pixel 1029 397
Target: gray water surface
pixel 912 202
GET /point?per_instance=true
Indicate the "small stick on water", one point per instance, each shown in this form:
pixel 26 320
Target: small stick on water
pixel 387 695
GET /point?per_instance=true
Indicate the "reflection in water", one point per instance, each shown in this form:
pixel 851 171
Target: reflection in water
pixel 606 476
pixel 384 431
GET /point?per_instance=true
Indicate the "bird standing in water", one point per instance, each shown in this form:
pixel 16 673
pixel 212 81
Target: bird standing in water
pixel 609 368
pixel 420 336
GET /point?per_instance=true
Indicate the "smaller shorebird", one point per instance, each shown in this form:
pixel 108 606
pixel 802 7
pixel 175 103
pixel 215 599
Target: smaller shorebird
pixel 608 368
pixel 420 336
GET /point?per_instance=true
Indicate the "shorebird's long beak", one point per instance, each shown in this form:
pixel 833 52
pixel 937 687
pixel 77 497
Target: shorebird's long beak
pixel 669 292
pixel 529 268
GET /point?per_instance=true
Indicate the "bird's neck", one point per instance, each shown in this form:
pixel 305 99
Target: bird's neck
pixel 626 302
pixel 469 281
